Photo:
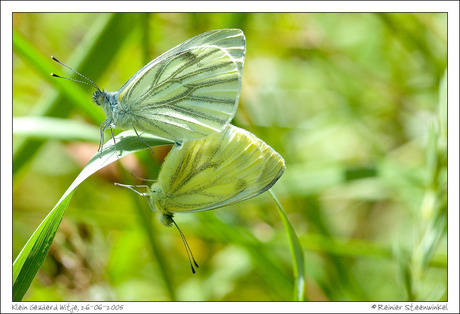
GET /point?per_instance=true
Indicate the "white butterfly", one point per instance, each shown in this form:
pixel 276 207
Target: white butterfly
pixel 215 171
pixel 186 93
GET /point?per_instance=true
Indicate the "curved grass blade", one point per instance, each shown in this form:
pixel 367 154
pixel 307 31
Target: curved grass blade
pixel 107 35
pixel 296 252
pixel 31 257
pixel 33 254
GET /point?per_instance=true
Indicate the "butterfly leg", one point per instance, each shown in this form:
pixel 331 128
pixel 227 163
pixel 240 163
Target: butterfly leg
pixel 143 140
pixel 102 129
pixel 106 124
pixel 113 137
pixel 146 195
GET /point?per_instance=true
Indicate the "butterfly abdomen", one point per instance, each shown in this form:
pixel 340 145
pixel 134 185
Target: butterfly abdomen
pixel 167 219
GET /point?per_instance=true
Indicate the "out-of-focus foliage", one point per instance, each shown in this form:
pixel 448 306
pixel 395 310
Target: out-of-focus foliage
pixel 355 103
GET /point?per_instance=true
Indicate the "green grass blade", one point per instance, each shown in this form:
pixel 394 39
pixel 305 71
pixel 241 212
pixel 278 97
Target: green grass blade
pixel 55 128
pixel 267 265
pixel 44 65
pixel 31 257
pixel 91 57
pixel 296 252
pixel 158 251
pixel 34 252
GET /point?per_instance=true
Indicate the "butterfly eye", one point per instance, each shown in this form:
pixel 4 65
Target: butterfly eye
pixel 99 97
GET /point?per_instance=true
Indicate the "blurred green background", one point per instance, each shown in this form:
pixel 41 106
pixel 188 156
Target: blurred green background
pixel 355 103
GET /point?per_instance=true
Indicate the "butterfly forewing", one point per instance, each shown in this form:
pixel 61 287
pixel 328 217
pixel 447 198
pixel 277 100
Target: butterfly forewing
pixel 190 91
pixel 218 170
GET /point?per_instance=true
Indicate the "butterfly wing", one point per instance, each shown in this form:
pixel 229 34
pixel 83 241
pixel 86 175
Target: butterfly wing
pixel 221 169
pixel 189 91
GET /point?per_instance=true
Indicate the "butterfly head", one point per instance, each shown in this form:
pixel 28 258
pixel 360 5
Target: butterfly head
pixel 157 198
pixel 100 98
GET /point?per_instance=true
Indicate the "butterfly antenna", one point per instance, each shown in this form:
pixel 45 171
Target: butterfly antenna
pixel 90 82
pixel 187 248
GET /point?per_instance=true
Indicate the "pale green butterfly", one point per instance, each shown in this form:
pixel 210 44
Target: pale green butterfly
pixel 218 170
pixel 186 93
